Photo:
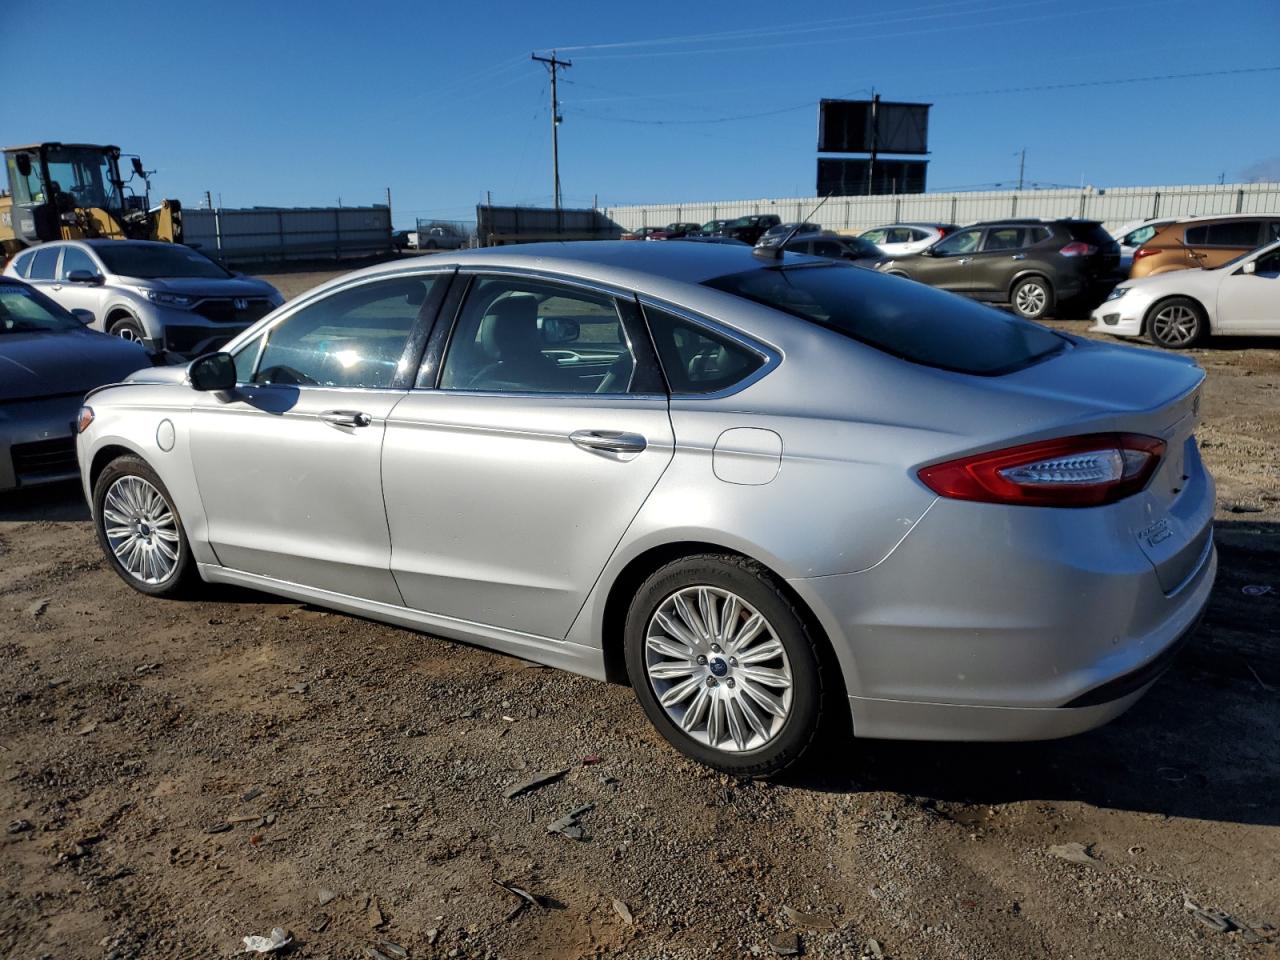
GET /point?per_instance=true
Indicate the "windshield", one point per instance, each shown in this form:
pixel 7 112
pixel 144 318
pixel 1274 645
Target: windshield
pixel 24 310
pixel 903 318
pixel 1260 251
pixel 157 261
pixel 85 175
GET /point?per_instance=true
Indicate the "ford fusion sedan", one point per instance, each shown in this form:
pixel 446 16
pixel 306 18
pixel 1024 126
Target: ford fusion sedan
pixel 1181 308
pixel 774 494
pixel 48 362
pixel 162 295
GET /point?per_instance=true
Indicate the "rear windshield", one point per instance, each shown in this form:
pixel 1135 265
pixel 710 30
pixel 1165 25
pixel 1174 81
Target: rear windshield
pixel 161 260
pixel 1087 232
pixel 901 317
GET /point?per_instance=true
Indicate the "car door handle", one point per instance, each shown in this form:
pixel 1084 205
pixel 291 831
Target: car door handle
pixel 1018 256
pixel 964 259
pixel 609 441
pixel 346 418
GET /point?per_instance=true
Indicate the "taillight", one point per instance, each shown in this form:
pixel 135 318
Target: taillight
pixel 942 232
pixel 1078 248
pixel 1084 471
pixel 1144 252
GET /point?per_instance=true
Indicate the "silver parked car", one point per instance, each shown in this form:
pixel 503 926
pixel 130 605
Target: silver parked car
pixel 163 295
pixel 772 494
pixel 48 362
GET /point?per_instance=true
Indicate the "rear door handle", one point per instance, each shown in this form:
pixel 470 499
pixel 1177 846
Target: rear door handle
pixel 346 418
pixel 1018 256
pixel 625 445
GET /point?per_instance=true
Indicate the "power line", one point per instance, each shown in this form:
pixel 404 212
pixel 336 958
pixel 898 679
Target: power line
pixel 809 104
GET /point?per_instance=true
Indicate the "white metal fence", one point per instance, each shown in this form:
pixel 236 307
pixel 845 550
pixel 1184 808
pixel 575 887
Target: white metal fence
pixel 1113 206
pixel 288 233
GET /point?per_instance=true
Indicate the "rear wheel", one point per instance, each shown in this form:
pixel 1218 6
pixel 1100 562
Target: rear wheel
pixel 724 665
pixel 139 529
pixel 1177 323
pixel 127 328
pixel 1032 298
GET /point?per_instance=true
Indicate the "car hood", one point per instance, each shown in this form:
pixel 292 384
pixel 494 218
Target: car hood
pixel 206 287
pixel 44 364
pixel 1177 281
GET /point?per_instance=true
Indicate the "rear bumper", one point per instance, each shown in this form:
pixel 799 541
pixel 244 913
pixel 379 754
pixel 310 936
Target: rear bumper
pixel 1014 623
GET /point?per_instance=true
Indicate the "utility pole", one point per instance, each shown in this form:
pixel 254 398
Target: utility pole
pixel 1022 165
pixel 875 140
pixel 554 65
pixel 208 200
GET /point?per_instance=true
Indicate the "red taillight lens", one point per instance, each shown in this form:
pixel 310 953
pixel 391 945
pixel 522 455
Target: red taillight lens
pixel 1144 252
pixel 1078 249
pixel 942 232
pixel 1085 471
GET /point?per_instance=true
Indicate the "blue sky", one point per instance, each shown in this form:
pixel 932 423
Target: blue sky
pixel 292 103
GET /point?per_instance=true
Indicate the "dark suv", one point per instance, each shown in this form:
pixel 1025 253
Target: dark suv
pixel 1034 265
pixel 749 229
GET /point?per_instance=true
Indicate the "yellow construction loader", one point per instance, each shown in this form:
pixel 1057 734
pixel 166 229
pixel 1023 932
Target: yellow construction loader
pixel 71 191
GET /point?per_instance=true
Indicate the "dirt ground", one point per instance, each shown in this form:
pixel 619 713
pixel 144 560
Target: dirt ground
pixel 179 775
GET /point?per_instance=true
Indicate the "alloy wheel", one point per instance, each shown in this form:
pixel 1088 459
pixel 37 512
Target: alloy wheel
pixel 718 669
pixel 141 529
pixel 1031 299
pixel 126 332
pixel 1175 324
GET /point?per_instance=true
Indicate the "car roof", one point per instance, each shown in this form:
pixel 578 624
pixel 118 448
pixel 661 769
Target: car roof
pixel 1228 216
pixel 620 262
pixel 101 242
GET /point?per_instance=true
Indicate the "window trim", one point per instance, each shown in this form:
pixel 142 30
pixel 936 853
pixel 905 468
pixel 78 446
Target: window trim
pixel 432 366
pixel 771 355
pixel 56 250
pixel 86 251
pixel 1261 223
pixel 413 344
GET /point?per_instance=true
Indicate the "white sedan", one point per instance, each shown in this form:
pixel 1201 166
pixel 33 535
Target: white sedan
pixel 1181 308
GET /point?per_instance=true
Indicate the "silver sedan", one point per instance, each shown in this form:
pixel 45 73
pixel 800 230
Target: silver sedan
pixel 775 494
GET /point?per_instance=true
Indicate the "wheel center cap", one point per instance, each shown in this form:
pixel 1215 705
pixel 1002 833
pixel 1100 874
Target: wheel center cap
pixel 144 529
pixel 718 667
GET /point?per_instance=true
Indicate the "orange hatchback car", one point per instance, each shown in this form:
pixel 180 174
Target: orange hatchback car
pixel 1203 242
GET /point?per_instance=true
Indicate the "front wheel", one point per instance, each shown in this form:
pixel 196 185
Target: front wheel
pixel 1177 323
pixel 139 529
pixel 724 665
pixel 128 328
pixel 1032 298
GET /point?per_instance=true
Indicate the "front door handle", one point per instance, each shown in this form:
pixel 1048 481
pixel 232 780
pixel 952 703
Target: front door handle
pixel 1018 256
pixel 624 445
pixel 964 259
pixel 346 418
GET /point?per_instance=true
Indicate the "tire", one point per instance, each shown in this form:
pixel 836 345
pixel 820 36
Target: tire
pixel 137 500
pixel 742 726
pixel 129 329
pixel 431 244
pixel 1032 298
pixel 1177 323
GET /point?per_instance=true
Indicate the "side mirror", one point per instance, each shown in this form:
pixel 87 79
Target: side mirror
pixel 85 276
pixel 560 329
pixel 1250 267
pixel 213 371
pixel 84 316
pixel 23 162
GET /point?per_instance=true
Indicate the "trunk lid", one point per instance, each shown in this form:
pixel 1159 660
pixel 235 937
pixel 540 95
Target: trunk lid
pixel 1104 388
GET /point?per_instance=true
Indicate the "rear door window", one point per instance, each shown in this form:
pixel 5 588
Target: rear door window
pixel 1004 238
pixel 45 264
pixel 911 321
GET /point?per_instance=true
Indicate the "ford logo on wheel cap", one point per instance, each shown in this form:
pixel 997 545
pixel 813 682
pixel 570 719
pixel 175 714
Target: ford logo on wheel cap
pixel 718 667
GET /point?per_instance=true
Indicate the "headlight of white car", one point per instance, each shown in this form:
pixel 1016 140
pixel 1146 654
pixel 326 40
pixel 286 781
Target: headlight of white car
pixel 1117 293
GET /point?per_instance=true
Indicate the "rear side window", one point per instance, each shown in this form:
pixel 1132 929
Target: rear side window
pixel 21 264
pixel 1273 231
pixel 696 359
pixel 1236 233
pixel 44 265
pixel 908 320
pixel 1004 238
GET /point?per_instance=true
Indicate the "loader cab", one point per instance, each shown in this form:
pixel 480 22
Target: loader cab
pixel 63 191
